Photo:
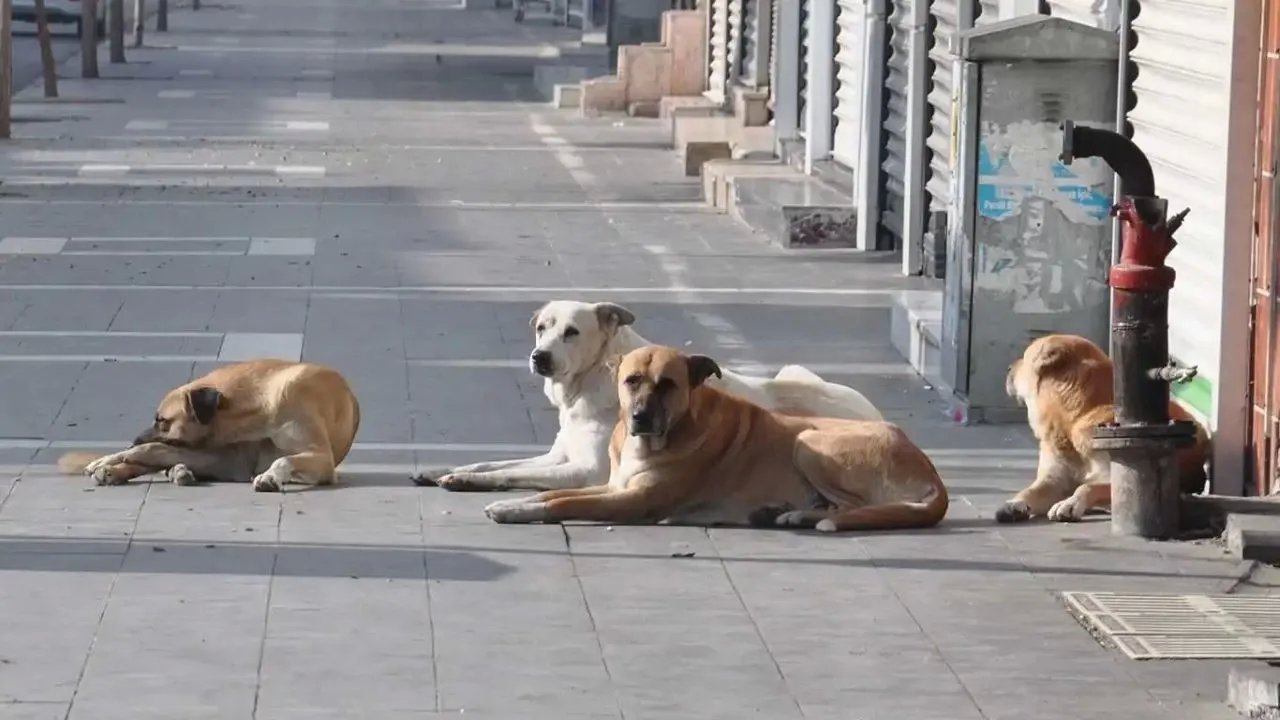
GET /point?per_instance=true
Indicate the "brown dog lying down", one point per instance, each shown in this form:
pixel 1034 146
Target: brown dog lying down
pixel 687 453
pixel 269 421
pixel 1066 383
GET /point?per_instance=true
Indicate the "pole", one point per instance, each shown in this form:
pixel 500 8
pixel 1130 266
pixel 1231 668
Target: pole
pixel 162 16
pixel 195 4
pixel 6 67
pixel 47 63
pixel 115 30
pixel 89 38
pixel 139 21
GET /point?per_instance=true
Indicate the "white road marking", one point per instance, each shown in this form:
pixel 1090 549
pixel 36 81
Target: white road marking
pixel 282 246
pixel 176 94
pixel 308 125
pixel 300 170
pixel 195 72
pixel 147 125
pixel 314 95
pixel 97 169
pixel 31 245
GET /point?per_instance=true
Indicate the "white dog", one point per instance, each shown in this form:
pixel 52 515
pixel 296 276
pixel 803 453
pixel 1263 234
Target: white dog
pixel 576 348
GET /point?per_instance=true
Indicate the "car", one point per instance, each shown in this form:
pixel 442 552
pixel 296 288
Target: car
pixel 59 12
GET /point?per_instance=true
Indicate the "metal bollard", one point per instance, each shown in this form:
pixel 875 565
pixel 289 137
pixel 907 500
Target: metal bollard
pixel 1142 442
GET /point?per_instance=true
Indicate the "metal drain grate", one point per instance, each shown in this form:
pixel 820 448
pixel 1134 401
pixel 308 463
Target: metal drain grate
pixel 1149 627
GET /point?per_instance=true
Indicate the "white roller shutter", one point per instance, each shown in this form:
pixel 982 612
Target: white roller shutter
pixel 894 160
pixel 751 43
pixel 851 17
pixel 737 21
pixel 1180 121
pixel 718 36
pixel 802 99
pixel 949 16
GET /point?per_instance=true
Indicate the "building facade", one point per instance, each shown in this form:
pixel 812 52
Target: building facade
pixel 861 93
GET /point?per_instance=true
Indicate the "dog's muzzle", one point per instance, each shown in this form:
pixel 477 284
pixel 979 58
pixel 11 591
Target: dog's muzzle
pixel 645 422
pixel 540 362
pixel 146 436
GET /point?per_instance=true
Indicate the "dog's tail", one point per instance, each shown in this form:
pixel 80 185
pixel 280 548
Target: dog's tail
pixel 892 516
pixel 797 373
pixel 74 463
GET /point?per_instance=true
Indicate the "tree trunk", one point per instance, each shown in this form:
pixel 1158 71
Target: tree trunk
pixel 6 67
pixel 89 38
pixel 139 21
pixel 47 63
pixel 115 30
pixel 162 16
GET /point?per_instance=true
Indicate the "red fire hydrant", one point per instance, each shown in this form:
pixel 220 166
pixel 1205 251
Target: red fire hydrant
pixel 1142 442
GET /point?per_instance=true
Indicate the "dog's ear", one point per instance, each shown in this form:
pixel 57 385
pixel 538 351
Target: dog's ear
pixel 203 403
pixel 612 316
pixel 533 319
pixel 701 367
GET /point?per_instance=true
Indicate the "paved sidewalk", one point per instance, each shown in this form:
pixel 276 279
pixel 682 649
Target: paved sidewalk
pixel 373 184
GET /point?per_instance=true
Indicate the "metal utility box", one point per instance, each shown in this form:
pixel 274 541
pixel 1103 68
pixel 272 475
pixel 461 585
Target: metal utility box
pixel 1029 239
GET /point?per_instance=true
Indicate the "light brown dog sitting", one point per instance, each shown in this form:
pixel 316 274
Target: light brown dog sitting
pixel 687 453
pixel 269 421
pixel 1066 383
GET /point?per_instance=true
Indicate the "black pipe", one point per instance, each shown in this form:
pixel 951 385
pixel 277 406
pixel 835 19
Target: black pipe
pixel 1119 152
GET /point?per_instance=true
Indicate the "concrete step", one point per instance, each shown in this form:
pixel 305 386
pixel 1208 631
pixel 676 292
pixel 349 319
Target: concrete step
pixel 916 331
pixel 789 209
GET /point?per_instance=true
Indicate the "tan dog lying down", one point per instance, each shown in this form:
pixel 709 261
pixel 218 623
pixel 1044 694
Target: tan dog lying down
pixel 684 452
pixel 269 421
pixel 1066 383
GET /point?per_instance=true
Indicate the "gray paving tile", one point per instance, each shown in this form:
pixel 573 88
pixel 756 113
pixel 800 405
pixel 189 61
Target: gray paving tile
pixel 116 400
pixel 34 395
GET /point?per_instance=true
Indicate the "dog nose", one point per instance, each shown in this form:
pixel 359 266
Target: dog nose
pixel 641 420
pixel 541 360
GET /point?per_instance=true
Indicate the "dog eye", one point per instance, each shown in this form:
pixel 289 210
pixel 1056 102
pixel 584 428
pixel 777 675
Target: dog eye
pixel 541 328
pixel 665 384
pixel 570 332
pixel 632 381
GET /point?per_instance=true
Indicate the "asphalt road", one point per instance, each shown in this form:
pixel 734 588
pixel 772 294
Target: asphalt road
pixel 26 51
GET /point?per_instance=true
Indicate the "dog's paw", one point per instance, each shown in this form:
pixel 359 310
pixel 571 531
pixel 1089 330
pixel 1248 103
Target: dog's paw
pixel 1013 512
pixel 181 475
pixel 266 482
pixel 428 478
pixel 465 483
pixel 793 519
pixel 102 463
pixel 767 515
pixel 1069 510
pixel 826 525
pixel 103 476
pixel 514 511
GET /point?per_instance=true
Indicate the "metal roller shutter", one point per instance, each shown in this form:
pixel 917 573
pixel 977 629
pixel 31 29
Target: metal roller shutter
pixel 948 17
pixel 803 85
pixel 718 65
pixel 850 40
pixel 736 39
pixel 775 11
pixel 894 162
pixel 751 42
pixel 1183 55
